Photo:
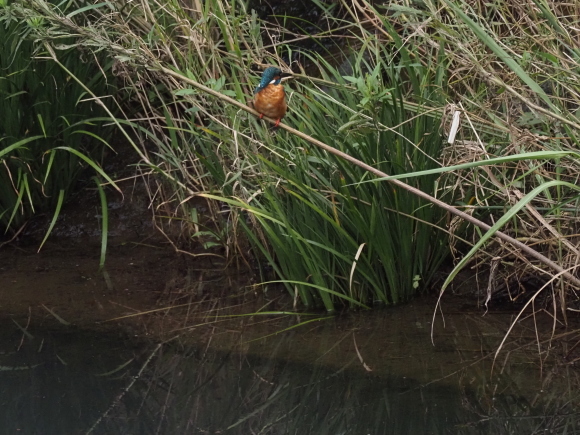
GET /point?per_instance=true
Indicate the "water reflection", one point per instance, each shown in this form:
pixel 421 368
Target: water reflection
pixel 49 378
pixel 62 380
pixel 214 393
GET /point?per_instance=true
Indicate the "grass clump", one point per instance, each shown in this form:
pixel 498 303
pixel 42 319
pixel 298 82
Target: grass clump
pixel 49 127
pixel 330 234
pixel 326 224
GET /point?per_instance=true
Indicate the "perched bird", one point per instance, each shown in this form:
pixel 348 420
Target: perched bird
pixel 269 96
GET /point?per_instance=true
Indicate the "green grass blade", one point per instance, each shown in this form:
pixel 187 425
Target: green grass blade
pixel 104 223
pixel 18 145
pixel 92 164
pixel 54 218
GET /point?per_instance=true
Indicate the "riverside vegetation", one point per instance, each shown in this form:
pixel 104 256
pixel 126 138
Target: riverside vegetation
pixel 382 85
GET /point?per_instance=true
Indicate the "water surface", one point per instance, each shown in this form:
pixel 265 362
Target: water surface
pixel 206 367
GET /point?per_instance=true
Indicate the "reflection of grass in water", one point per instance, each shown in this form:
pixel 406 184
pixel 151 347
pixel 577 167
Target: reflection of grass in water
pixel 522 391
pixel 553 412
pixel 58 393
pixel 201 391
pixel 208 391
pixel 194 388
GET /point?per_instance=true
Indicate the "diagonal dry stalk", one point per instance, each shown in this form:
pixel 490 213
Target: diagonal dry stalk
pixel 149 61
pixel 453 210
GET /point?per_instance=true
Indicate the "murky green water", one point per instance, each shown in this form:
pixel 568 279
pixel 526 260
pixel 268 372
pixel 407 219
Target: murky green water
pixel 194 370
pixel 51 381
pixel 322 380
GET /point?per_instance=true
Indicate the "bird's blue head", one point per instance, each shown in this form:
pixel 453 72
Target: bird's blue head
pixel 270 74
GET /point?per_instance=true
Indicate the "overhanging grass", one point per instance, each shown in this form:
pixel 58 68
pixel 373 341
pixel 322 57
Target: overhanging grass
pixel 387 113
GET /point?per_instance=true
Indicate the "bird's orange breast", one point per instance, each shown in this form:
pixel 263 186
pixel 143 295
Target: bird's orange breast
pixel 271 101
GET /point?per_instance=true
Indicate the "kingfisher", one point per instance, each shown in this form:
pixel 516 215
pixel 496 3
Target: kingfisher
pixel 269 96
